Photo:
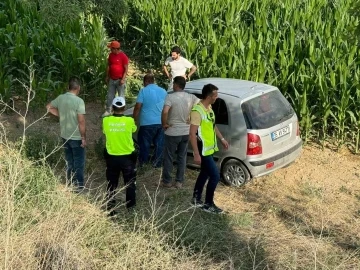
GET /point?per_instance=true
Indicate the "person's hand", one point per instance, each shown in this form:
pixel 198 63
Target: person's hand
pixel 122 81
pixel 225 144
pixel 188 77
pixel 83 142
pixel 170 77
pixel 166 126
pixel 197 158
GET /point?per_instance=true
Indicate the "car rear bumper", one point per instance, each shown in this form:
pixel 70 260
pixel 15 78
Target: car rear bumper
pixel 258 168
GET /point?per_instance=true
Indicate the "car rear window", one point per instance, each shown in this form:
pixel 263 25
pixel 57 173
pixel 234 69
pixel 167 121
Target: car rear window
pixel 266 110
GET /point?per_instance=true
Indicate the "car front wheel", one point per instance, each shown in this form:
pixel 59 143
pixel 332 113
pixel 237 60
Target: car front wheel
pixel 235 173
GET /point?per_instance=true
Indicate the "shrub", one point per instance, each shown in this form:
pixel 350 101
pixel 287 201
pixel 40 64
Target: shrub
pixel 41 147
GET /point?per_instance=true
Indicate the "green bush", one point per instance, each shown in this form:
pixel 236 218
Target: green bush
pixel 40 147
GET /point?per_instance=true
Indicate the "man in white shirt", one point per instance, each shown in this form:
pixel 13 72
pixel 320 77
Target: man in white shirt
pixel 179 65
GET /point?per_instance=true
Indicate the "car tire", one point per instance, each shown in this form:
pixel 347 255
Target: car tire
pixel 234 173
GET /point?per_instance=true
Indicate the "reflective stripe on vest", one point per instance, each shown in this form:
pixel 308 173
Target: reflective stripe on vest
pixel 206 131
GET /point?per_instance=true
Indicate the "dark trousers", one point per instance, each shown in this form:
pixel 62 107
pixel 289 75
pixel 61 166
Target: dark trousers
pixel 148 135
pixel 209 171
pixel 75 162
pixel 173 143
pixel 114 166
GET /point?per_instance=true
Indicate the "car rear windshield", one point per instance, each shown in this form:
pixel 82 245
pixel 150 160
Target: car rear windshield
pixel 266 110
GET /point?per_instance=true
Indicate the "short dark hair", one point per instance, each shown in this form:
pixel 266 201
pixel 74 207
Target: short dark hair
pixel 180 81
pixel 74 83
pixel 149 78
pixel 117 109
pixel 207 90
pixel 176 49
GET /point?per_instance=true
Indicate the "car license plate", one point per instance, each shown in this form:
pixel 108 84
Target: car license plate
pixel 279 133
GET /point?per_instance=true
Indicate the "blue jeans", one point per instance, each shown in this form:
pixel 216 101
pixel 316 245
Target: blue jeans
pixel 210 171
pixel 148 135
pixel 75 161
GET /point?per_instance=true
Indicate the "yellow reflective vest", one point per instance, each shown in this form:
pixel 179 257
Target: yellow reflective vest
pixel 206 131
pixel 118 131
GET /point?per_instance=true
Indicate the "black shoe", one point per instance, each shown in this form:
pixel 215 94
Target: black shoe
pixel 212 208
pixel 196 202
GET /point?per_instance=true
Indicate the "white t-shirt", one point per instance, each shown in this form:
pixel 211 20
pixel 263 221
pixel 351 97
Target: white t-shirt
pixel 179 66
pixel 180 104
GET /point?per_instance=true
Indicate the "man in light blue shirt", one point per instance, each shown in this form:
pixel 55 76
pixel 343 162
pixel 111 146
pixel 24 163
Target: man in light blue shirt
pixel 147 114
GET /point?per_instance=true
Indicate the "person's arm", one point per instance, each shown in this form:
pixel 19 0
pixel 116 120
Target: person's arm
pixel 166 71
pixel 136 111
pixel 107 72
pixel 165 68
pixel 82 128
pixel 164 117
pixel 126 69
pixel 134 127
pixel 138 105
pixel 194 144
pixel 192 71
pixel 222 139
pixel 52 110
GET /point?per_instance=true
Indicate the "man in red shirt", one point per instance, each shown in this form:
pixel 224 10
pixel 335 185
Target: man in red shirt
pixel 115 74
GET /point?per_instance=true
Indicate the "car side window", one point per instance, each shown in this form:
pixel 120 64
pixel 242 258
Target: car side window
pixel 220 110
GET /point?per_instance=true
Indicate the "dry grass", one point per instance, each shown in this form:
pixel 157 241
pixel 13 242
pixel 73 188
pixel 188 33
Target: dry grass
pixel 45 226
pixel 306 216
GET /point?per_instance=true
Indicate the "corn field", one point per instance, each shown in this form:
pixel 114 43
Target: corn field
pixel 307 48
pixel 51 52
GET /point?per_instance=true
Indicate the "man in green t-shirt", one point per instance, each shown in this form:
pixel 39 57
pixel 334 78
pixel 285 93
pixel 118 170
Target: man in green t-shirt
pixel 71 110
pixel 120 155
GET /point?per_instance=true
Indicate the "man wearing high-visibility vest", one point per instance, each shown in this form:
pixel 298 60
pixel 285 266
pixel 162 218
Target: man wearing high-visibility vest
pixel 120 154
pixel 203 133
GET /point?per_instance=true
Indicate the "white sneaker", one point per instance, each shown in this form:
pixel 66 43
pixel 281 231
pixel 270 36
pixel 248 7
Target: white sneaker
pixel 106 113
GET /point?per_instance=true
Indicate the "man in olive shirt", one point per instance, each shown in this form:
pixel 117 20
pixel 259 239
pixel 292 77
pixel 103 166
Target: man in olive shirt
pixel 120 154
pixel 71 110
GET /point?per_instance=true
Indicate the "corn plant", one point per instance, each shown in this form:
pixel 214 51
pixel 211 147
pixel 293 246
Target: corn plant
pixel 55 51
pixel 303 47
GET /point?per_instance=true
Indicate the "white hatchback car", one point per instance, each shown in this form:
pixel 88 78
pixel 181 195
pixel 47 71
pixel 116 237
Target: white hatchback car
pixel 259 124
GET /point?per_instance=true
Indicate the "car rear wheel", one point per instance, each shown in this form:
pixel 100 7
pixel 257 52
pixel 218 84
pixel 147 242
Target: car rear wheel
pixel 235 173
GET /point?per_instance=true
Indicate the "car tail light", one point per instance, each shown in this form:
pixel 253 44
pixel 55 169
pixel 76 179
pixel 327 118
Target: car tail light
pixel 297 129
pixel 253 144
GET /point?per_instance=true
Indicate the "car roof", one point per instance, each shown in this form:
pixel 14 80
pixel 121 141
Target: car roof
pixel 234 87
